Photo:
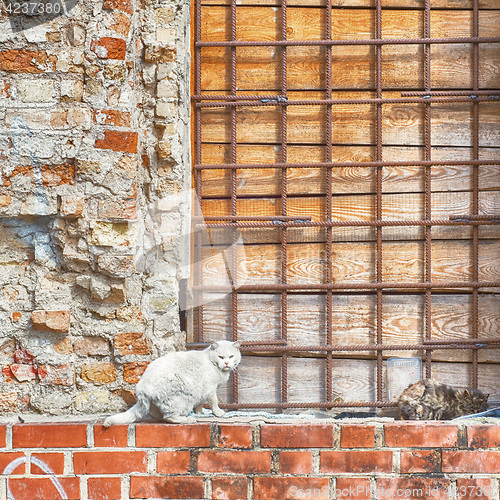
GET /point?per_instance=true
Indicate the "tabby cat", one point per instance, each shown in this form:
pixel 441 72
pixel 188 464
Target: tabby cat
pixel 430 400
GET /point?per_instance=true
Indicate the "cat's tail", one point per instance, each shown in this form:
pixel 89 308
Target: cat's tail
pixel 137 412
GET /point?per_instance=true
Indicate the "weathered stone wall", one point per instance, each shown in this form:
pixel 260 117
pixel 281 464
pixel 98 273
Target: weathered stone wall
pixel 94 216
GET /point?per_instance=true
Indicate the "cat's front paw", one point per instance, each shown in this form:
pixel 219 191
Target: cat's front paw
pixel 218 412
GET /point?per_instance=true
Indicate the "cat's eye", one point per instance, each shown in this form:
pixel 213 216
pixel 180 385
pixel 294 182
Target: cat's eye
pixel 232 356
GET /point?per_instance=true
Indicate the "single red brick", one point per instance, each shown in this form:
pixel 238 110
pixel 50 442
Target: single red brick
pixel 51 321
pixel 104 488
pixel 235 436
pixel 109 48
pixel 115 140
pixel 240 462
pixel 116 436
pixel 229 488
pixel 49 435
pixel 24 357
pixel 420 461
pixel 23 373
pixel 173 462
pixel 172 435
pixel 355 488
pixel 296 436
pixel 166 487
pixel 132 343
pixel 474 488
pixel 7 458
pixel 427 435
pixel 484 462
pixel 291 488
pixel 413 488
pixel 483 436
pixel 52 175
pixel 132 372
pixel 296 462
pixel 47 463
pixel 3 432
pixel 56 375
pixel 44 488
pixel 112 117
pixel 109 462
pixel 123 5
pixel 357 436
pixel 356 461
pixel 18 60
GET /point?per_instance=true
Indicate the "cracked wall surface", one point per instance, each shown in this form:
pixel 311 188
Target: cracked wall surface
pixel 94 201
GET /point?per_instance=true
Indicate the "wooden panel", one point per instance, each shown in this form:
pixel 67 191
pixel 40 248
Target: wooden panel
pixel 354 263
pixel 259 138
pixel 259 68
pixel 402 124
pixel 267 182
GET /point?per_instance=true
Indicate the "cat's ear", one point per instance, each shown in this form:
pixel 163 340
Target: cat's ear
pixel 237 344
pixel 467 393
pixel 214 345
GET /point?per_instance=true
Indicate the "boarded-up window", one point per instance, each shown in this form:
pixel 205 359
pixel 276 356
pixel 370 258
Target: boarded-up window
pixel 347 167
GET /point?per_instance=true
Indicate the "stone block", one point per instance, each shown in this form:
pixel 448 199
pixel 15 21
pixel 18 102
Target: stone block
pixel 72 206
pixel 98 373
pixel 112 234
pixel 158 54
pixel 119 266
pixel 165 35
pixel 35 90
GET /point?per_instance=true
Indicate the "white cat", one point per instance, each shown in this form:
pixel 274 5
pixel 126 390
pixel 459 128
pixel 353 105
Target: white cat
pixel 175 384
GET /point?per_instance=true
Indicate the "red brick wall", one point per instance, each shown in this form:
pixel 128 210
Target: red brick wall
pixel 83 461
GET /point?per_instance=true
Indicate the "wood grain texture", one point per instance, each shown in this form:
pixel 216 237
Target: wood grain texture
pixel 353 379
pixel 259 138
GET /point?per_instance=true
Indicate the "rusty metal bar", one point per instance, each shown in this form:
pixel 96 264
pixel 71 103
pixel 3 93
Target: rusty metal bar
pixel 367 347
pixel 495 94
pixel 284 189
pixel 491 94
pixel 237 218
pixel 475 190
pixel 378 201
pixel 342 102
pixel 198 269
pixel 328 205
pixel 385 41
pixel 460 221
pixel 427 188
pixel 346 404
pixel 234 200
pixel 359 286
pixel 347 164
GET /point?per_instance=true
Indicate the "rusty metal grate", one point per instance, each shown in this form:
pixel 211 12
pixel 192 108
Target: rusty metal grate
pixel 233 99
